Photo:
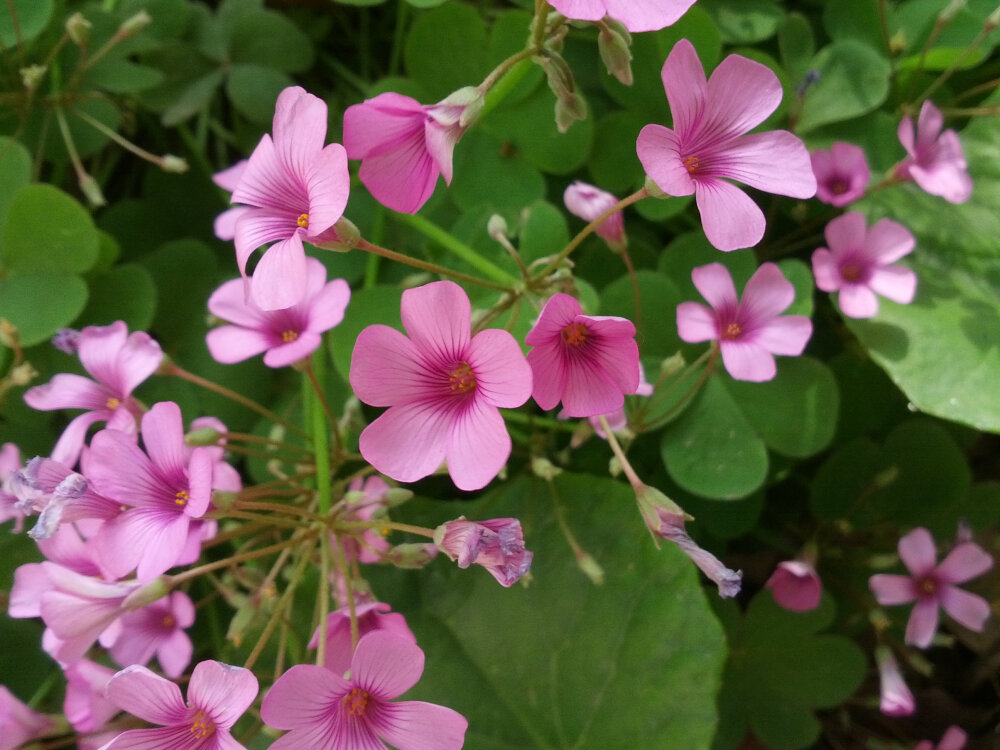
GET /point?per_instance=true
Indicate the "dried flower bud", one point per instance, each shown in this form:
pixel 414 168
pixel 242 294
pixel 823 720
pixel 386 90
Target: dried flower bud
pixel 613 43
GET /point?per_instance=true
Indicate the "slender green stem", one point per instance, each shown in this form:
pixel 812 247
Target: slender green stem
pixel 457 248
pixel 193 573
pixel 630 474
pixel 288 510
pixel 324 596
pixel 318 414
pixel 534 420
pixel 637 196
pixel 125 143
pixel 955 64
pixel 175 370
pixel 245 437
pixel 380 525
pixel 340 563
pixel 427 266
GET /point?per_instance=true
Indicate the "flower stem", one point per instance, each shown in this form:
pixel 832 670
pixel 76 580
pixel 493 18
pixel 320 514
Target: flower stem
pixel 630 474
pixel 319 417
pixel 457 248
pixel 192 573
pixel 637 196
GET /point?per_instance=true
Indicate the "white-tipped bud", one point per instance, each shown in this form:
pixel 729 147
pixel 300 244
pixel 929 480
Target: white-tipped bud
pixel 78 29
pixel 544 469
pixel 32 75
pixel 497 227
pixel 175 164
pixel 613 43
pixel 21 374
pixel 92 191
pixel 204 436
pixel 135 24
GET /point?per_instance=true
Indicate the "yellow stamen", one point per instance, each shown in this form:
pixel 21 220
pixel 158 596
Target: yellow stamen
pixel 169 621
pixel 303 221
pixel 461 379
pixel 356 701
pixel 575 334
pixel 928 586
pixel 691 163
pixel 112 403
pixel 732 332
pixel 289 336
pixel 202 726
pixel 182 497
pixel 850 272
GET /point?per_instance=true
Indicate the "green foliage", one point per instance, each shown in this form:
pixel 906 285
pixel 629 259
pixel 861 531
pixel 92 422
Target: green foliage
pixel 854 79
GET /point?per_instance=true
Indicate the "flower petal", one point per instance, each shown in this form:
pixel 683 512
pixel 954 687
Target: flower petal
pixel 687 90
pixel 438 316
pixel 409 441
pixel 658 148
pixel 142 693
pixel 970 610
pixel 222 691
pixel 696 323
pixel 894 282
pixel 279 280
pixel 229 344
pixel 825 270
pixel 888 241
pixel 741 94
pixel 891 589
pixel 415 725
pixel 715 284
pixel 787 335
pixel 767 294
pixel 478 447
pixel 386 664
pixel 386 367
pixel 923 623
pixel 965 562
pixel 745 360
pixel 729 216
pixel 163 436
pixel 303 697
pixel 857 301
pixel 775 161
pixel 917 552
pixel 503 376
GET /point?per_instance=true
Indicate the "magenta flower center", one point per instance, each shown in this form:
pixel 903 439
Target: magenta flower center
pixel 461 378
pixel 575 334
pixel 691 163
pixel 303 221
pixel 169 622
pixel 731 332
pixel 851 272
pixel 838 186
pixel 182 497
pixel 356 701
pixel 927 586
pixel 202 726
pixel 289 336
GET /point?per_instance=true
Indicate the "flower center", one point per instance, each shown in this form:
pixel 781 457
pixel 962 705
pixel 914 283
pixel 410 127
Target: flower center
pixel 850 272
pixel 182 497
pixel 289 336
pixel 356 701
pixel 112 403
pixel 691 163
pixel 202 726
pixel 461 379
pixel 303 221
pixel 732 332
pixel 927 586
pixel 838 187
pixel 575 334
pixel 169 621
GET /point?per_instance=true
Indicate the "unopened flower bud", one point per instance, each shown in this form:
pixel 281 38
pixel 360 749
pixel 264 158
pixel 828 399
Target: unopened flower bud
pixel 895 697
pixel 590 568
pixel 672 365
pixel 497 227
pixel 9 335
pixel 32 75
pixel 654 190
pixel 224 500
pixel 174 164
pixel 544 469
pixel 135 24
pixel 151 592
pixel 202 437
pixel 613 44
pixel 91 190
pixel 950 11
pixel 569 109
pixel 78 29
pixel 66 340
pixel 411 556
pixel 992 20
pixel 21 374
pixel 395 496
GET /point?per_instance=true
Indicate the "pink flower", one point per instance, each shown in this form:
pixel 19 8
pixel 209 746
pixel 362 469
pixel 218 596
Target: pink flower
pixel 297 188
pixel 85 706
pixel 286 336
pixel 228 179
pixel 218 694
pixel 708 143
pixel 443 388
pixel 589 202
pixel 372 617
pixel 931 585
pixel 157 629
pixel 497 545
pixel 372 545
pixel 895 697
pixel 10 463
pixel 841 173
pixel 324 711
pixel 858 264
pixel 750 331
pixel 118 362
pixel 648 15
pixel 588 362
pixel 405 145
pixel 954 739
pixel 665 520
pixel 795 586
pixel 164 492
pixel 18 723
pixel 934 159
pixel 617 420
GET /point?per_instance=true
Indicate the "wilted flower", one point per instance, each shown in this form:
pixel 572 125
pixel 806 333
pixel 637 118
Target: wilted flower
pixel 496 544
pixel 589 202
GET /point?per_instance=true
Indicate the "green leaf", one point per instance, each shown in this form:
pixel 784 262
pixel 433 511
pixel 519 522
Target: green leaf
pixel 47 231
pixel 796 413
pixel 254 89
pixel 426 3
pixel 781 670
pixel 712 450
pixel 185 275
pixel 943 350
pixel 41 303
pixel 797 272
pixel 544 232
pixel 378 304
pixel 15 172
pixel 614 164
pixel 796 44
pixel 855 19
pixel 657 294
pixel 267 37
pixel 123 77
pixel 489 173
pixel 126 292
pixel 561 663
pixel 23 20
pixel 745 21
pixel 446 49
pixel 854 79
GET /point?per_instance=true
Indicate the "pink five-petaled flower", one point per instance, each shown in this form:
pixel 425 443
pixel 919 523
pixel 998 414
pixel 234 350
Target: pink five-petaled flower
pixel 162 492
pixel 324 711
pixel 858 264
pixel 841 173
pixel 496 544
pixel 157 628
pixel 749 331
pixel 930 585
pixel 443 388
pixel 954 739
pixel 287 335
pixel 708 145
pixel 225 223
pixel 588 362
pixel 795 586
pixel 19 723
pixel 404 145
pixel 118 361
pixel 218 694
pixel 648 15
pixel 934 160
pixel 297 188
pixel 895 698
pixel 589 202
